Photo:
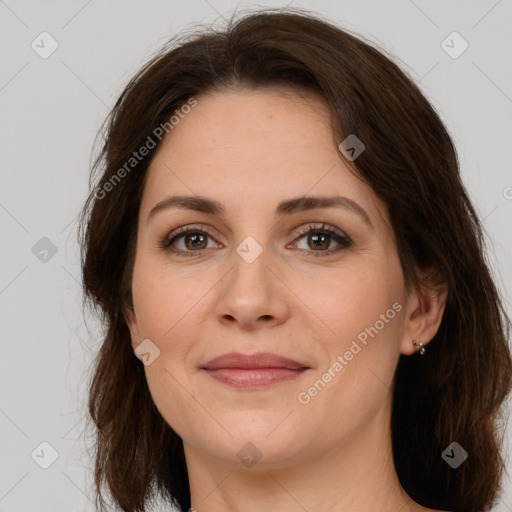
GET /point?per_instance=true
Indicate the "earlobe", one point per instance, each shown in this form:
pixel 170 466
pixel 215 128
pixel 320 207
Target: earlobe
pixel 426 306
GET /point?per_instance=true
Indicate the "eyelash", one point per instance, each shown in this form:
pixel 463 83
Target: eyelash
pixel 343 240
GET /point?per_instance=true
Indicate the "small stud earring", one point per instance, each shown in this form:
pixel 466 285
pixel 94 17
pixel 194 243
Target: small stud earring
pixel 421 348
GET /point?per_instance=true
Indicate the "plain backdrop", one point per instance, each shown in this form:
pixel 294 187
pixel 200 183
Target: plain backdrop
pixel 52 106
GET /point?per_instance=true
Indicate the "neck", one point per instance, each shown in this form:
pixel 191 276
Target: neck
pixel 358 475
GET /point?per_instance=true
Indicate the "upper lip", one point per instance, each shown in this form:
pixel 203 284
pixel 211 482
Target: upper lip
pixel 247 361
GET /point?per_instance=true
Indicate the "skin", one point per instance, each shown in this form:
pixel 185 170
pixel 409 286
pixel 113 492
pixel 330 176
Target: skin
pixel 251 149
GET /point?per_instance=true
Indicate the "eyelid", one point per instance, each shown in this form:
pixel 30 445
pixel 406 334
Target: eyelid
pixel 323 228
pixel 341 238
pixel 166 242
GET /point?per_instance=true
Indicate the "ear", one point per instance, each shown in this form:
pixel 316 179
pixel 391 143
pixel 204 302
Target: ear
pixel 131 321
pixel 423 314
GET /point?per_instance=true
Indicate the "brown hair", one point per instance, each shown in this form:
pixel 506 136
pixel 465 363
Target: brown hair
pixel 452 393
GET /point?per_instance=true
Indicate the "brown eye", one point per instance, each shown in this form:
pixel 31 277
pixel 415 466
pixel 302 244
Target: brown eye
pixel 319 240
pixel 195 241
pixel 192 238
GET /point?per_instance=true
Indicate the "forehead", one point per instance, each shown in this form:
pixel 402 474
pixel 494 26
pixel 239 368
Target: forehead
pixel 254 145
pixel 251 123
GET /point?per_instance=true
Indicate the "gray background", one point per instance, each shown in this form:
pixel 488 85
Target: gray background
pixel 51 109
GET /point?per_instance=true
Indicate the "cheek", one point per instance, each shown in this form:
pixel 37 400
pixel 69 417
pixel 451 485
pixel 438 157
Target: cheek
pixel 351 300
pixel 161 300
pixel 165 315
pixel 362 308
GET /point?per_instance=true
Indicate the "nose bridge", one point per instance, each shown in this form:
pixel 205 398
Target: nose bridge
pixel 251 260
pixel 250 289
pixel 252 228
pixel 250 250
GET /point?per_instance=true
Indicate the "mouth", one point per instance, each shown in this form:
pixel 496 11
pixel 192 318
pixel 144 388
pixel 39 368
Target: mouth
pixel 249 371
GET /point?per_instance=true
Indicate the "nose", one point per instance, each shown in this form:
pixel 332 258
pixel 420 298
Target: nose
pixel 252 294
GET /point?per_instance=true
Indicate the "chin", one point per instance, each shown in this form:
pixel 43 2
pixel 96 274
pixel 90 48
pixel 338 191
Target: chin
pixel 259 439
pixel 254 454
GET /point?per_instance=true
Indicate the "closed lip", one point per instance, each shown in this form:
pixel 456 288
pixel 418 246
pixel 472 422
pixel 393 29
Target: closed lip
pixel 252 361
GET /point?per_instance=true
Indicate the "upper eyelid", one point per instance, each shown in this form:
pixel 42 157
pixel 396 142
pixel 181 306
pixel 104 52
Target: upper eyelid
pixel 300 231
pixel 343 240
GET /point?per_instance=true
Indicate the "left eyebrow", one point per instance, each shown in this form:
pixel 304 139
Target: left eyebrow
pixel 288 207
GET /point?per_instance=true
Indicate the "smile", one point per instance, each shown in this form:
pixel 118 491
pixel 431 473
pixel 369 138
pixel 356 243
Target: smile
pixel 249 371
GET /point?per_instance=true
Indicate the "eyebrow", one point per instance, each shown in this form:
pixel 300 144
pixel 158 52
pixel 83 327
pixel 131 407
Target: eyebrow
pixel 288 207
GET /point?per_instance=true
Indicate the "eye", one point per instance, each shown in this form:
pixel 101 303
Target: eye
pixel 195 240
pixel 320 238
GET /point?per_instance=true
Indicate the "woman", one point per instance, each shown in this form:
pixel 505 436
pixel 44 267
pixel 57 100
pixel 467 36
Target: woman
pixel 298 311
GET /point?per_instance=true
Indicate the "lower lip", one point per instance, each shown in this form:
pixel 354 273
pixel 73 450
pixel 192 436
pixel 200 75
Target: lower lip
pixel 253 377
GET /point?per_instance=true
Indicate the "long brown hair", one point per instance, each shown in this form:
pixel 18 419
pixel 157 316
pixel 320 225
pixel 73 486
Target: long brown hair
pixel 455 392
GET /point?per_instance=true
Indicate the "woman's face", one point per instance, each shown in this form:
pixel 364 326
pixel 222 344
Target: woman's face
pixel 334 303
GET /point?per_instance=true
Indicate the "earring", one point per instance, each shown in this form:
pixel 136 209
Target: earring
pixel 421 348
